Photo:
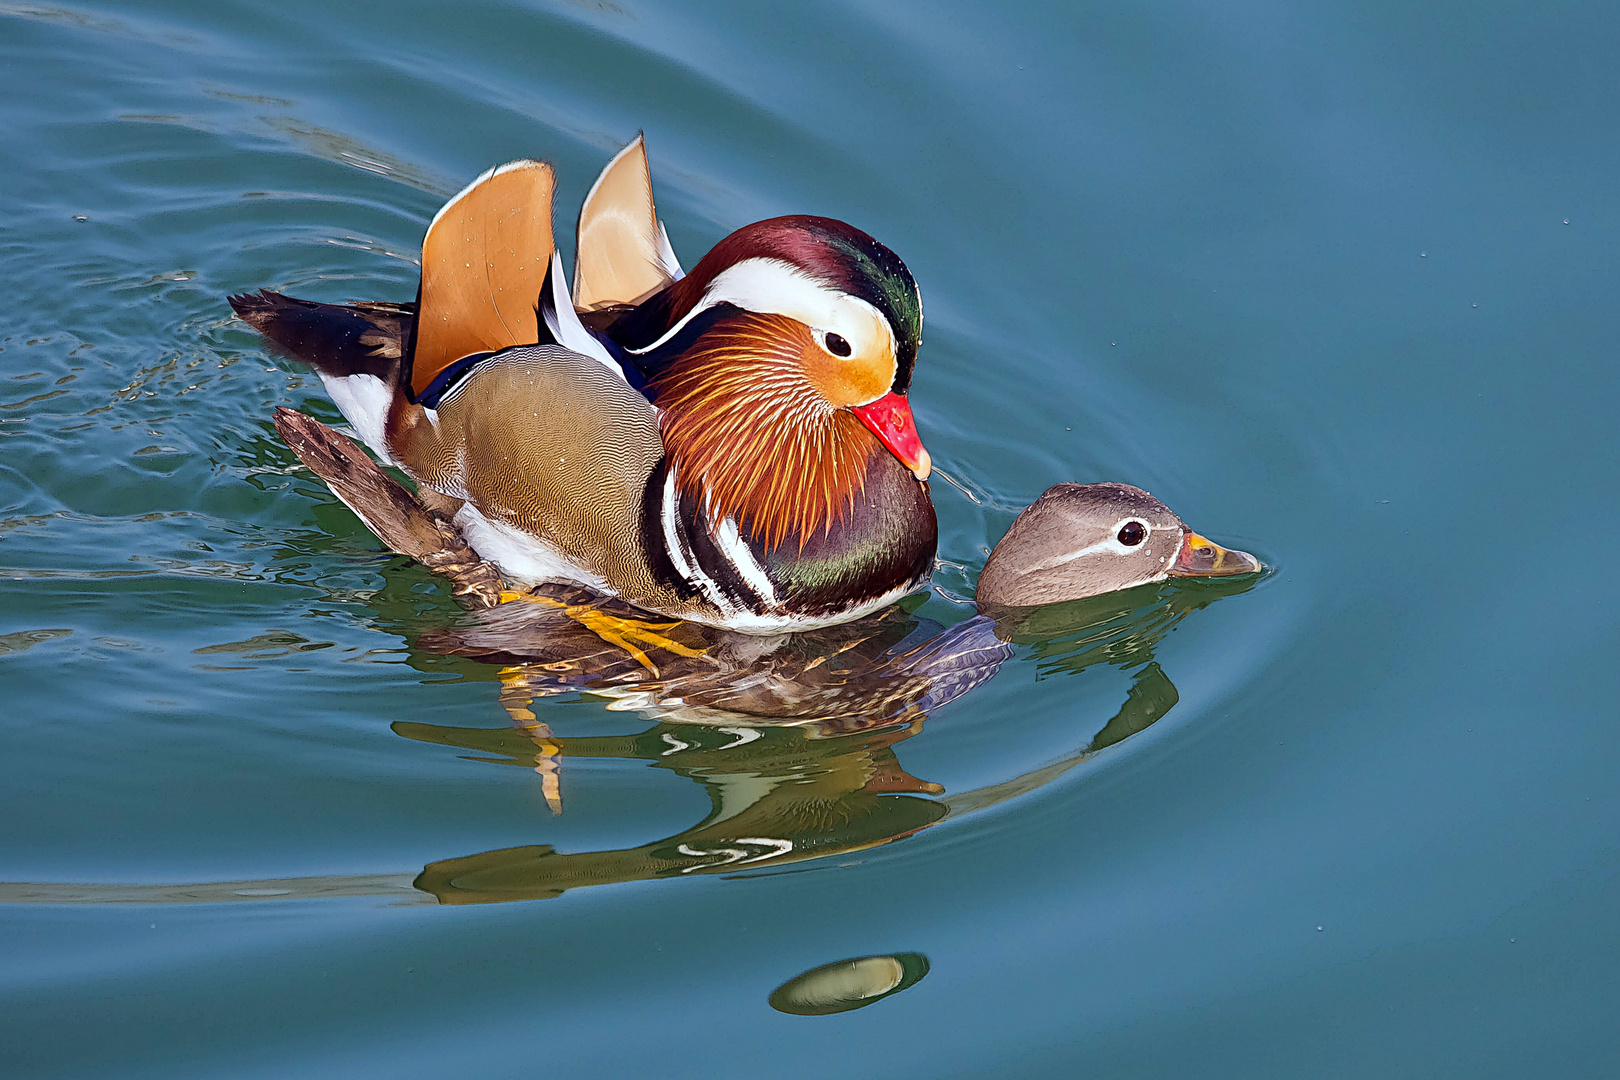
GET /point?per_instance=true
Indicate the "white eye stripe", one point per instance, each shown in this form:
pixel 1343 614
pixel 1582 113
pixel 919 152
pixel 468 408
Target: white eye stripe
pixel 1106 545
pixel 780 288
pixel 1111 545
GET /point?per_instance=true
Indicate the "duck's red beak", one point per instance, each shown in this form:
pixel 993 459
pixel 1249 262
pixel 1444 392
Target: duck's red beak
pixel 891 421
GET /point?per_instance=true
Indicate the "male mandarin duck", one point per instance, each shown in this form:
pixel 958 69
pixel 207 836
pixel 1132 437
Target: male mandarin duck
pixel 731 446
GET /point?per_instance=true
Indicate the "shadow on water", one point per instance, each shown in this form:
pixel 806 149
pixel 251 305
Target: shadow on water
pixel 814 771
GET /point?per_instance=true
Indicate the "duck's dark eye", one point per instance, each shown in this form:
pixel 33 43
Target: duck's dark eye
pixel 1132 533
pixel 837 345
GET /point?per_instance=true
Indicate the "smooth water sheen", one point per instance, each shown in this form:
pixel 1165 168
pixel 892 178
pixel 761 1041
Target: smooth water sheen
pixel 1336 282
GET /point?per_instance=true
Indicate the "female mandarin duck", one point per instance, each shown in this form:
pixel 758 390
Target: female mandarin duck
pixel 730 446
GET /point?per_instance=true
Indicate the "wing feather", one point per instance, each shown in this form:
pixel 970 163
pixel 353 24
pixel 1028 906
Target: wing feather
pixel 623 252
pixel 484 260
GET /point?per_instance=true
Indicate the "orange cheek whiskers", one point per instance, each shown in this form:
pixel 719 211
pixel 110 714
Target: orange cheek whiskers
pixel 747 430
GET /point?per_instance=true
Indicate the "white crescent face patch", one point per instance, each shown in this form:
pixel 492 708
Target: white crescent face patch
pixel 779 288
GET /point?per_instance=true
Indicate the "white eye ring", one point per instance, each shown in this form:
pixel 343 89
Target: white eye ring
pixel 835 343
pixel 1127 540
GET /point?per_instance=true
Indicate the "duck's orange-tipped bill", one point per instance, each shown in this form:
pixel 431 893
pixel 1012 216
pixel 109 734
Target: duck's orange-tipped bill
pixel 891 421
pixel 1204 558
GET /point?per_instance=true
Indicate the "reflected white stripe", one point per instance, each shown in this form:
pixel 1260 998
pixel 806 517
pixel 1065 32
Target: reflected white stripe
pixel 744 736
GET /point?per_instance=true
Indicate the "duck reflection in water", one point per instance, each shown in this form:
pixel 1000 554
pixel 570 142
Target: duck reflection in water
pixel 792 736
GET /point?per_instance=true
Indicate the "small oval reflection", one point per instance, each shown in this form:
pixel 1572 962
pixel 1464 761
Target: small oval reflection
pixel 848 984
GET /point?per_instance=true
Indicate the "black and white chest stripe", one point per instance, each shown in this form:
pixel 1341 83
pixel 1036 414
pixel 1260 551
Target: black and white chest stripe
pixel 714 561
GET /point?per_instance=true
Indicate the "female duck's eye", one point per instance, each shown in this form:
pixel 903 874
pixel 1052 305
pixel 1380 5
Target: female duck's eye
pixel 1132 533
pixel 837 345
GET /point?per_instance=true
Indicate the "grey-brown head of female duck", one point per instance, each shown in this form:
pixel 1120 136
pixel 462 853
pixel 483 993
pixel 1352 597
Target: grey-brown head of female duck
pixel 1080 540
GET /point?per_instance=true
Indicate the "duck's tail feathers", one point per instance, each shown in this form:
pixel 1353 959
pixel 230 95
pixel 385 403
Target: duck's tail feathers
pixel 356 349
pixel 334 339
